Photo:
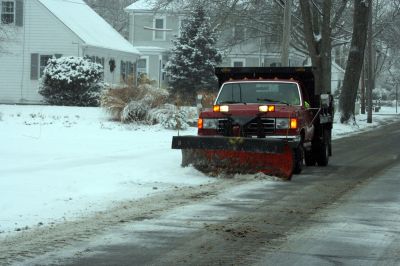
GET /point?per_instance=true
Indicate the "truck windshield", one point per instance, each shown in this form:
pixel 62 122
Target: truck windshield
pixel 259 92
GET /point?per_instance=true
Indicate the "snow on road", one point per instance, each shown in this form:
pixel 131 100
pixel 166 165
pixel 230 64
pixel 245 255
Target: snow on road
pixel 60 163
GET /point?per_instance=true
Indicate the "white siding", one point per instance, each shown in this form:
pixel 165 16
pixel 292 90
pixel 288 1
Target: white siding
pixel 44 34
pixel 10 69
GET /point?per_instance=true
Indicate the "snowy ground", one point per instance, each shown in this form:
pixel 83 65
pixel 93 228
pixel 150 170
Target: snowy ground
pixel 60 163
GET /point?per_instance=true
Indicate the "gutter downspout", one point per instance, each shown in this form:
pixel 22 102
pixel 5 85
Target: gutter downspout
pixel 23 52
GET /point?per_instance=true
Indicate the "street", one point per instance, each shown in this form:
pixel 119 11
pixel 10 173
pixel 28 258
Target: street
pixel 346 213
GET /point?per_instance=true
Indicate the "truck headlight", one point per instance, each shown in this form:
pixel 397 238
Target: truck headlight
pixel 282 123
pixel 210 123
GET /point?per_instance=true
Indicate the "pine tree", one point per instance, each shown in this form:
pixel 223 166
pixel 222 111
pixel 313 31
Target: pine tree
pixel 193 57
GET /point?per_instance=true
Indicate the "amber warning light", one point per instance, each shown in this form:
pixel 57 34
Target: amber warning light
pixel 200 123
pixel 221 108
pixel 266 108
pixel 293 123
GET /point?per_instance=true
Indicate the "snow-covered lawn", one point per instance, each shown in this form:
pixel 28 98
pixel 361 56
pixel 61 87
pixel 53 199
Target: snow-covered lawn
pixel 59 163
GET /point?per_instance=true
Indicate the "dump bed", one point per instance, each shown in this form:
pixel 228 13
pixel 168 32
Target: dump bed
pixel 304 75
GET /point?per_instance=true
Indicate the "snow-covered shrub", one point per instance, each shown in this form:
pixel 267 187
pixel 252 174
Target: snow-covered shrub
pixel 74 81
pixel 135 111
pixel 148 97
pixel 153 96
pixel 169 116
pixel 132 103
pixel 114 100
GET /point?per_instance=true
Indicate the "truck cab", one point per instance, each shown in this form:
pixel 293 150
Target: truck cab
pixel 259 108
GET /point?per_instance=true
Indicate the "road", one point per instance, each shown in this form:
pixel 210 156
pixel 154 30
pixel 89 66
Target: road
pixel 346 213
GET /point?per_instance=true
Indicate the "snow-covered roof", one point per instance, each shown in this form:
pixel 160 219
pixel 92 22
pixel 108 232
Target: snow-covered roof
pixel 150 49
pixel 152 5
pixel 88 25
pixel 143 5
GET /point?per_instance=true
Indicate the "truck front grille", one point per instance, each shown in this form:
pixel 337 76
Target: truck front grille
pixel 256 127
pixel 222 126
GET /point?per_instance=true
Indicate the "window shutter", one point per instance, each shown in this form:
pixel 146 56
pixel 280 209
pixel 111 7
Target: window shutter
pixel 34 66
pixel 19 13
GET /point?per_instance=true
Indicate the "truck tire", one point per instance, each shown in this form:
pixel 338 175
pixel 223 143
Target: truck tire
pixel 323 155
pixel 298 160
pixel 309 158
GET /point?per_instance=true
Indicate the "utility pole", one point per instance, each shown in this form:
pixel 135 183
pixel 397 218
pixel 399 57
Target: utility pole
pixel 397 88
pixel 362 85
pixel 286 33
pixel 370 67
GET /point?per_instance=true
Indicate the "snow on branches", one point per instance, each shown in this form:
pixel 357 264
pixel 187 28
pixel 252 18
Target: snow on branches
pixel 72 81
pixel 144 104
pixel 193 57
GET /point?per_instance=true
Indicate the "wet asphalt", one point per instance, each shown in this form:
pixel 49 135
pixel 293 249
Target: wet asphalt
pixel 344 214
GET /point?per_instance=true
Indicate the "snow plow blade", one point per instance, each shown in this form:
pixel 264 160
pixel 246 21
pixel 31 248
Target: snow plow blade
pixel 215 154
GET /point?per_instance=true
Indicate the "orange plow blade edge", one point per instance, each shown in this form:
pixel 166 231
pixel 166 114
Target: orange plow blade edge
pixel 237 155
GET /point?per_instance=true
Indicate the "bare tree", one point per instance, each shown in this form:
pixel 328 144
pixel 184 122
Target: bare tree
pixel 386 33
pixel 250 21
pixel 355 59
pixel 113 12
pixel 318 38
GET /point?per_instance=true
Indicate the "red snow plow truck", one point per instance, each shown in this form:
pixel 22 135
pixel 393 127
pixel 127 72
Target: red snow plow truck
pixel 270 120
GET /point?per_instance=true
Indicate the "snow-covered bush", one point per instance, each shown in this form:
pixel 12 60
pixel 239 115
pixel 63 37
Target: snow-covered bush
pixel 169 116
pixel 148 97
pixel 145 104
pixel 114 100
pixel 72 81
pixel 133 103
pixel 135 111
pixel 153 96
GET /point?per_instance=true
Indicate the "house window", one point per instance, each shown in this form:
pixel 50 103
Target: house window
pixel 275 64
pixel 38 64
pixel 182 22
pixel 98 60
pixel 159 29
pixel 43 63
pixel 238 62
pixel 142 66
pixel 7 12
pixel 130 69
pixel 127 71
pixel 123 71
pixel 95 59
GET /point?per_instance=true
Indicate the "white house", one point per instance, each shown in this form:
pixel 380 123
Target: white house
pixel 40 29
pixel 151 33
pixel 151 29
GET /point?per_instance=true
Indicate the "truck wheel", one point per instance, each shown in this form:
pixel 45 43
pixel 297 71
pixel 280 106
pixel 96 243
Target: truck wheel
pixel 309 158
pixel 323 155
pixel 298 160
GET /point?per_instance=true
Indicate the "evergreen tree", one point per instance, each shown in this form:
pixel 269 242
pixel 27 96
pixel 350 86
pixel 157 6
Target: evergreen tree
pixel 193 57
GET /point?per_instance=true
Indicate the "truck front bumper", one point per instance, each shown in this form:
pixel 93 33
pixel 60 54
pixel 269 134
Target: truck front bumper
pixel 273 144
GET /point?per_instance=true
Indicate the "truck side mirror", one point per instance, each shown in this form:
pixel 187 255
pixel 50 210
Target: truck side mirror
pixel 325 100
